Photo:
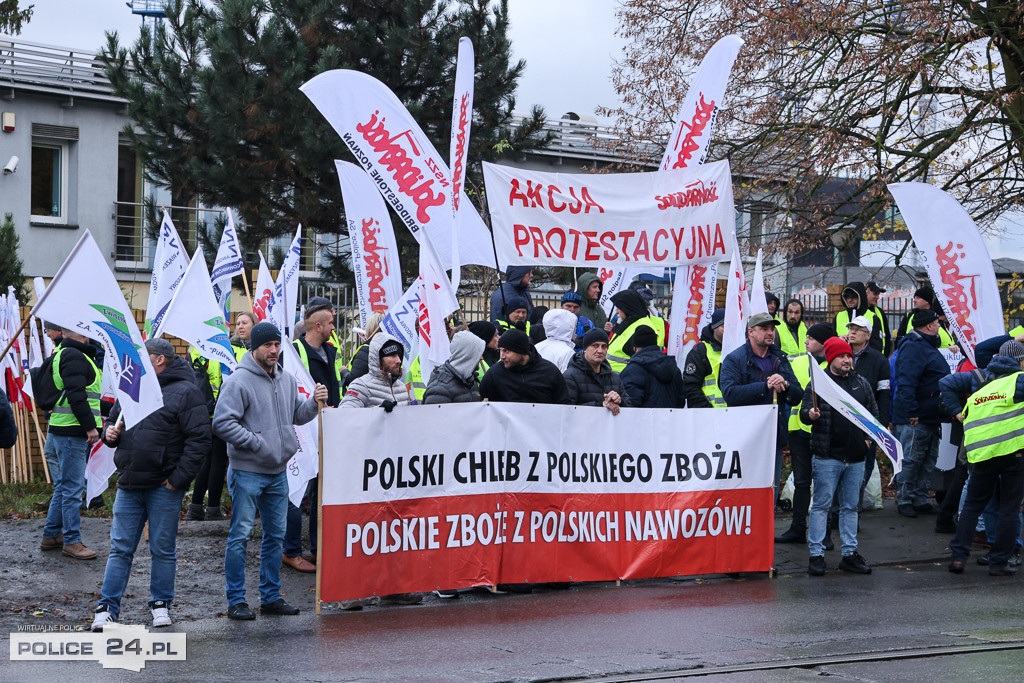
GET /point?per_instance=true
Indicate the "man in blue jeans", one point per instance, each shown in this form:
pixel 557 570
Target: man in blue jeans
pixel 917 413
pixel 74 426
pixel 156 460
pixel 838 450
pixel 256 408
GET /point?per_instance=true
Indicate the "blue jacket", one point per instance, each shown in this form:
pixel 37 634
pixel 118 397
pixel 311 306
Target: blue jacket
pixel 954 387
pixel 743 384
pixel 511 287
pixel 919 368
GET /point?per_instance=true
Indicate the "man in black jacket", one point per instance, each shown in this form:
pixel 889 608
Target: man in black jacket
pixel 156 460
pixel 839 448
pixel 651 379
pixel 523 376
pixel 700 378
pixel 590 379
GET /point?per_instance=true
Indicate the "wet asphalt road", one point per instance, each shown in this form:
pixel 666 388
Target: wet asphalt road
pixel 603 631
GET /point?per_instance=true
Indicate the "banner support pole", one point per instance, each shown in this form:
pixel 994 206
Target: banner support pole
pixel 319 499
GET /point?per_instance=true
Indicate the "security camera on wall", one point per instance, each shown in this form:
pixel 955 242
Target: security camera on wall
pixel 11 166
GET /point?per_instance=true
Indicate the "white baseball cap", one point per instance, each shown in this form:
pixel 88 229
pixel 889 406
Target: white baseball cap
pixel 861 321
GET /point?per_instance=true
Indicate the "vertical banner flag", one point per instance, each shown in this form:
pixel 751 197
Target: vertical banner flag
pixel 437 302
pixel 852 410
pixel 169 263
pixel 400 320
pixel 758 302
pixel 84 296
pixel 228 264
pixel 693 302
pixel 691 136
pixel 196 316
pixel 283 303
pixel 401 160
pixel 35 354
pixel 956 260
pixel 264 291
pixel 305 464
pixel 40 288
pixel 737 307
pixel 372 238
pixel 462 119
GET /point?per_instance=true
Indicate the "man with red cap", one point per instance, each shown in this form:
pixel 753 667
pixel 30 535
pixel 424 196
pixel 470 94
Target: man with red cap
pixel 839 449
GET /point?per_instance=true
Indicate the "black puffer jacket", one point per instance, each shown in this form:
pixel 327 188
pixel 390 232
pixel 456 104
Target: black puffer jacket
pixel 445 386
pixel 538 381
pixel 587 388
pixel 652 380
pixel 170 444
pixel 832 435
pixel 698 367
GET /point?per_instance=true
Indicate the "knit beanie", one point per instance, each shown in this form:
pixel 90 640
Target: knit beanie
pixel 643 337
pixel 593 337
pixel 1012 349
pixel 263 332
pixel 922 317
pixel 483 329
pixel 515 340
pixel 926 293
pixel 821 332
pixel 836 346
pixel 390 348
pixel 514 303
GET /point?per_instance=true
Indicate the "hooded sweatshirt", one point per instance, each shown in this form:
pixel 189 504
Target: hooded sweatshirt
pixel 372 389
pixel 858 290
pixel 511 287
pixel 590 308
pixel 632 305
pixel 652 379
pixel 559 325
pixel 254 415
pixel 455 381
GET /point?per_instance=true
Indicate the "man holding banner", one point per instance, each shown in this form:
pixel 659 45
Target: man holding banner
pixel 839 449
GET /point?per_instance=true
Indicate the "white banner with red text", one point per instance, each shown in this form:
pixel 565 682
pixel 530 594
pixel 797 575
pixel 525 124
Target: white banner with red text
pixel 956 260
pixel 669 218
pixel 454 496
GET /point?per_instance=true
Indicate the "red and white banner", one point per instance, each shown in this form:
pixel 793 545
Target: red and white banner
pixel 517 493
pixel 956 260
pixel 401 160
pixel 372 239
pixel 758 301
pixel 693 302
pixel 691 136
pixel 667 218
pixel 437 302
pixel 305 464
pixel 737 307
pixel 458 155
pixel 263 292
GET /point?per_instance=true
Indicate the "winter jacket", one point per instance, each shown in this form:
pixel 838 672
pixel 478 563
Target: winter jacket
pixel 919 367
pixel 558 348
pixel 170 443
pixel 652 379
pixel 323 372
pixel 955 387
pixel 8 427
pixel 832 435
pixel 537 381
pixel 743 384
pixel 372 389
pixel 698 367
pixel 77 374
pixel 874 367
pixel 590 308
pixel 254 416
pixel 455 381
pixel 587 388
pixel 511 287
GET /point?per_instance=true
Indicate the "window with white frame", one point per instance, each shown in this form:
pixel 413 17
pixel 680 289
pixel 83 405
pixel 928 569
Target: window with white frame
pixel 49 194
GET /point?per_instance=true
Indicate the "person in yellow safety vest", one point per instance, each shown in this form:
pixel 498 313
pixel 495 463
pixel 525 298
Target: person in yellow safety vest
pixel 792 329
pixel 885 334
pixel 1017 331
pixel 74 427
pixel 924 298
pixel 800 435
pixel 855 298
pixel 516 311
pixel 361 357
pixel 489 333
pixel 414 380
pixel 700 371
pixel 994 442
pixel 632 312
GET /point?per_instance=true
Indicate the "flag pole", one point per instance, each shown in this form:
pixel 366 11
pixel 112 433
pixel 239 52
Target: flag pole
pixel 42 443
pixel 810 373
pixel 319 499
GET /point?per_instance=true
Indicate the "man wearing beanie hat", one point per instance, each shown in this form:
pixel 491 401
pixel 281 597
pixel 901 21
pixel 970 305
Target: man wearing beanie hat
pixel 800 435
pixel 839 449
pixel 489 333
pixel 880 320
pixel 572 302
pixel 382 385
pixel 517 284
pixel 995 450
pixel 516 312
pixel 923 298
pixel 522 376
pixel 917 413
pixel 652 378
pixel 700 373
pixel 590 380
pixel 254 416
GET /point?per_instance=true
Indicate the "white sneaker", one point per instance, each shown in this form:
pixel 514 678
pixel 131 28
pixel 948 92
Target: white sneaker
pixel 160 615
pixel 101 619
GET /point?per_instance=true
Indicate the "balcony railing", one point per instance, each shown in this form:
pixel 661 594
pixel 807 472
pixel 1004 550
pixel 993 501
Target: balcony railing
pixel 52 69
pixel 133 249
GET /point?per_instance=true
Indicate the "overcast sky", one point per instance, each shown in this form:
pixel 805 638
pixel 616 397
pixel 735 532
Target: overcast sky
pixel 569 47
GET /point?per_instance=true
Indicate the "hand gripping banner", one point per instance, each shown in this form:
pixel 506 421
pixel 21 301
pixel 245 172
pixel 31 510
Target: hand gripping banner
pixel 516 493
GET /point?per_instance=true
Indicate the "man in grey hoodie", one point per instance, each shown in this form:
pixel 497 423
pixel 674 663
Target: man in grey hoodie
pixel 256 408
pixel 456 380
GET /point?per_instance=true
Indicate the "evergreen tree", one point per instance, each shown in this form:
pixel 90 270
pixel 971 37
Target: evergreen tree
pixel 217 112
pixel 10 262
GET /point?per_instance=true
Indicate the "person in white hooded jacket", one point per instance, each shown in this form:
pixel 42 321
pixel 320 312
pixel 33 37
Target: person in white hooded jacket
pixel 456 380
pixel 560 326
pixel 382 385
